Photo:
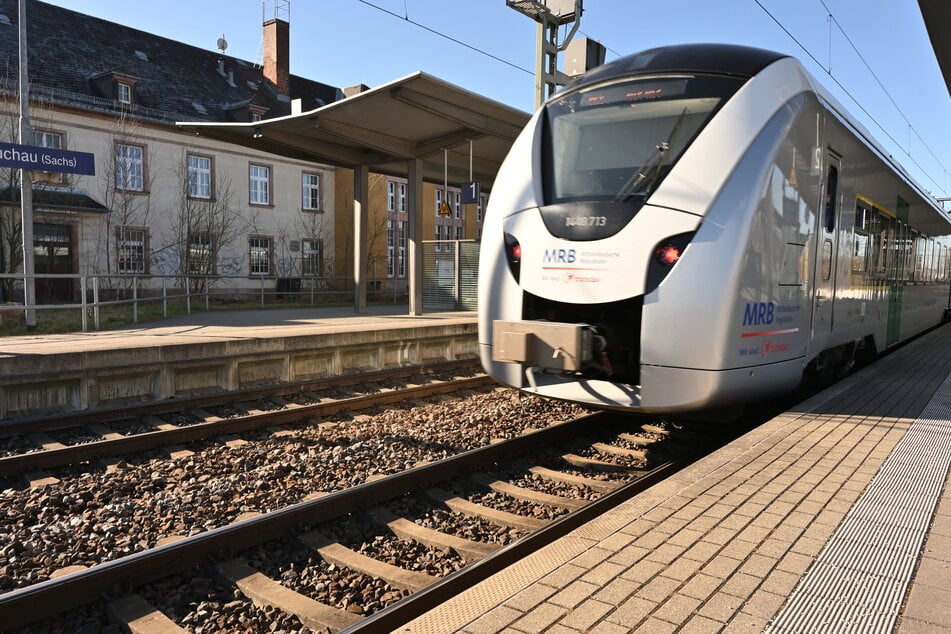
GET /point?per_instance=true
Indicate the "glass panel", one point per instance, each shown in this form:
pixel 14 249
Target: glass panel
pixel 618 141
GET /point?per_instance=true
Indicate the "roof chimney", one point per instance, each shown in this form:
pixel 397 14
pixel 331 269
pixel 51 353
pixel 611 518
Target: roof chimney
pixel 277 67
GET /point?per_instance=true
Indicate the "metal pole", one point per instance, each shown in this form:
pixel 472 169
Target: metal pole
pixel 95 302
pixel 84 302
pixel 26 181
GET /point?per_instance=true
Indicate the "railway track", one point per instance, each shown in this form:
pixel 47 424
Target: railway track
pixel 621 459
pixel 28 447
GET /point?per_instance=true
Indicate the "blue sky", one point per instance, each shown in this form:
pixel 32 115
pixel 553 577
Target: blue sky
pixel 347 42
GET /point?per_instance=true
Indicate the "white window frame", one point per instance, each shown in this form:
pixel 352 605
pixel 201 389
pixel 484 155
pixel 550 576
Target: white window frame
pixel 52 140
pixel 401 248
pixel 200 251
pixel 311 184
pixel 130 167
pixel 259 184
pixel 312 257
pixel 391 196
pixel 258 266
pixel 200 169
pixel 131 244
pixel 390 247
pixel 124 92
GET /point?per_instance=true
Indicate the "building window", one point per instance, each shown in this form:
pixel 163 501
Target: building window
pixel 199 256
pixel 130 250
pixel 52 140
pixel 390 196
pixel 199 176
pixel 310 192
pixel 256 116
pixel 457 205
pixel 438 238
pixel 458 233
pixel 438 200
pixel 259 184
pixel 312 258
pixel 259 256
pixel 390 248
pixel 124 92
pixel 402 207
pixel 401 250
pixel 483 201
pixel 130 167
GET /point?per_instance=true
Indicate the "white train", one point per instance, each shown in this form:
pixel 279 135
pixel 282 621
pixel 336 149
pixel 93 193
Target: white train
pixel 699 226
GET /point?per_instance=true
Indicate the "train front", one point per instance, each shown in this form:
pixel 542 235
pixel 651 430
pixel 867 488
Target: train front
pixel 576 249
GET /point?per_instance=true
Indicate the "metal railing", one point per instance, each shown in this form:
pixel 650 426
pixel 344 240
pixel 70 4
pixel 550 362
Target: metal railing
pixel 450 273
pixel 90 294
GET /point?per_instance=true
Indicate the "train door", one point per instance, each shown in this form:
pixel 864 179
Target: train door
pixel 826 236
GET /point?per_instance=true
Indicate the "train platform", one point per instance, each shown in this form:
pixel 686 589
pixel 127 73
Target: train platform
pixel 219 350
pixel 834 517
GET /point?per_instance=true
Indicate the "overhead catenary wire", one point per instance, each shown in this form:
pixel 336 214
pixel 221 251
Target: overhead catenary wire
pixel 446 37
pixel 827 68
pixel 845 90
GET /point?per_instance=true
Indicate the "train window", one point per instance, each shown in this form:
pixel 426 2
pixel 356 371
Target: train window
pixel 916 269
pixel 832 186
pixel 863 217
pixel 932 263
pixel 860 251
pixel 617 141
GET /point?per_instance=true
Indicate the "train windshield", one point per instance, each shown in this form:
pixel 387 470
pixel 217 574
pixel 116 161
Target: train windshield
pixel 617 141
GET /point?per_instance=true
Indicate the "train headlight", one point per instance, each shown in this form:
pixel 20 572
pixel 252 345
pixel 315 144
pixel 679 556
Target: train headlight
pixel 665 256
pixel 513 253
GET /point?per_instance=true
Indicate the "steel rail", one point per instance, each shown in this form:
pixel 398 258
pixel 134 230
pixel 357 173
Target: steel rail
pixel 21 607
pixel 164 406
pixel 49 458
pixel 415 605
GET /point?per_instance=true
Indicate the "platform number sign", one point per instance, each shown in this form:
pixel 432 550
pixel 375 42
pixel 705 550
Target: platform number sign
pixel 470 193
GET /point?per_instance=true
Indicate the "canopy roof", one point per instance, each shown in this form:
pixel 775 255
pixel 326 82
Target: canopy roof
pixel 415 117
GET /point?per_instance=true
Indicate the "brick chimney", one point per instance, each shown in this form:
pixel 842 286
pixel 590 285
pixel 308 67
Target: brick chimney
pixel 277 45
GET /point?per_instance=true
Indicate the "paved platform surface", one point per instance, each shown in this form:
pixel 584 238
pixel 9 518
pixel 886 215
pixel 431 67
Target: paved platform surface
pixel 229 325
pixel 835 517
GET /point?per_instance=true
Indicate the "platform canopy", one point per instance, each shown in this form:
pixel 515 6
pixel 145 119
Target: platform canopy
pixel 416 117
pixel 418 127
pixel 937 16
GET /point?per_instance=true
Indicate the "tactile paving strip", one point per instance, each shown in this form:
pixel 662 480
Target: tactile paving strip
pixel 859 580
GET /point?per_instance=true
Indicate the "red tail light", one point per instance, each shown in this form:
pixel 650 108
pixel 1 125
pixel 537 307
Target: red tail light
pixel 513 253
pixel 667 254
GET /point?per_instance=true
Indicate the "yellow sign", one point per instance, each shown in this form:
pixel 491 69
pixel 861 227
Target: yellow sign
pixel 444 209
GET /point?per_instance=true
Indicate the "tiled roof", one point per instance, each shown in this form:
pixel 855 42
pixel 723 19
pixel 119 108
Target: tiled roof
pixel 175 81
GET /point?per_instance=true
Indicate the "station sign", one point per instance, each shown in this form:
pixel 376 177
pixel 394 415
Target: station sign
pixel 469 193
pixel 45 159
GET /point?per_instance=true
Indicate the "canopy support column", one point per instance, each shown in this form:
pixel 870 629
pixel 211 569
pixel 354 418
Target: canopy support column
pixel 361 206
pixel 414 204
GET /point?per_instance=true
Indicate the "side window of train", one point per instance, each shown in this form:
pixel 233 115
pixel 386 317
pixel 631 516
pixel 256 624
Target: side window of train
pixel 861 239
pixel 832 186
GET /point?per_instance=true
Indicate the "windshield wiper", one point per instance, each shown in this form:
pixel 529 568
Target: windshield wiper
pixel 651 170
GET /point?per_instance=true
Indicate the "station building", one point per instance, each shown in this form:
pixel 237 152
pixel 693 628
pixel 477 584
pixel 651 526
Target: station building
pixel 167 203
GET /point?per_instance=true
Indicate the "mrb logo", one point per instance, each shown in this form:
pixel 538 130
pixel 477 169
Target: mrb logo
pixel 559 256
pixel 758 313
